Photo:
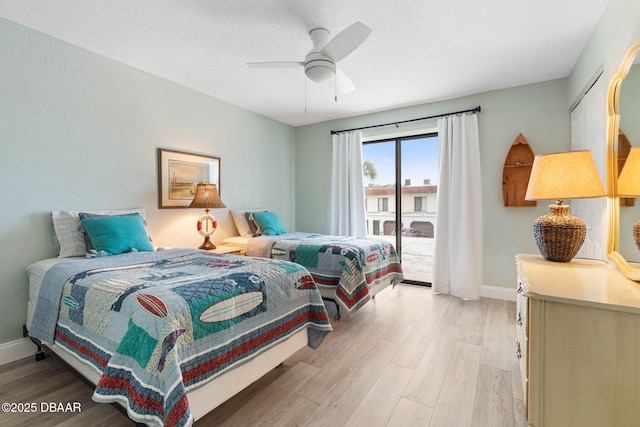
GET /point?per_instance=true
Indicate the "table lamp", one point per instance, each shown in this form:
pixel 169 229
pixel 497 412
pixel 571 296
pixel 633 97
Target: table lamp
pixel 207 197
pixel 629 184
pixel 558 176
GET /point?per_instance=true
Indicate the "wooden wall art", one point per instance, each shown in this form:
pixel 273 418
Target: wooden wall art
pixel 516 172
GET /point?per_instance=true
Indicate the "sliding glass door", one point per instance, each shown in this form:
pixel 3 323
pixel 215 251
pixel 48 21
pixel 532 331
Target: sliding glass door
pixel 400 177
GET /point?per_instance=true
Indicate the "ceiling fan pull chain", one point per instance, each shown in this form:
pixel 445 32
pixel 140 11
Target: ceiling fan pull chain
pixel 305 95
pixel 335 86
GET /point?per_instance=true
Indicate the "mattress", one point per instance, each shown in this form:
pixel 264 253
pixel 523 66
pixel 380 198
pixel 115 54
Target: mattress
pixel 237 241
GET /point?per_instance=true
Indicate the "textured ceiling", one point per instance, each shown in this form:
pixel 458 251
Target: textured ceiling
pixel 420 51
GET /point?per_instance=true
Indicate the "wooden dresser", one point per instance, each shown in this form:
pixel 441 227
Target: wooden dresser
pixel 578 339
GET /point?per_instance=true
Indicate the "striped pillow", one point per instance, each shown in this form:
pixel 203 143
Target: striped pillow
pixel 240 220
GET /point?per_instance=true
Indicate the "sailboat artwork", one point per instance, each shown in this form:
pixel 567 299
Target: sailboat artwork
pixel 180 173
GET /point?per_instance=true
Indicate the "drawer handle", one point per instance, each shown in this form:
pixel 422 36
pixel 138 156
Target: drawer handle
pixel 518 352
pixel 519 287
pixel 519 320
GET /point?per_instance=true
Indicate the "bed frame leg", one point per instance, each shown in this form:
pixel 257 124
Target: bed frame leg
pixel 40 354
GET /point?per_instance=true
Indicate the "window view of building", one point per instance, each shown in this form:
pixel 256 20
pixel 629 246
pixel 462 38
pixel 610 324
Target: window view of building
pixel 406 216
pixel 418 209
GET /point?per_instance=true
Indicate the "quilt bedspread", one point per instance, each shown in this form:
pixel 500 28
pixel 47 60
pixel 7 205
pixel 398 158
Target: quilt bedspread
pixel 350 264
pixel 156 326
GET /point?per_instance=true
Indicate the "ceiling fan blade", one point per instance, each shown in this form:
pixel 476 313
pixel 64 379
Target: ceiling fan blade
pixel 344 83
pixel 346 41
pixel 276 64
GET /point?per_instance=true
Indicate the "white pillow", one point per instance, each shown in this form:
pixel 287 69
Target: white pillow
pixel 240 220
pixel 68 230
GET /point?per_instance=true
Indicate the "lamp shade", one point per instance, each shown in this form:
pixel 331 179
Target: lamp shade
pixel 207 197
pixel 567 175
pixel 629 184
pixel 629 180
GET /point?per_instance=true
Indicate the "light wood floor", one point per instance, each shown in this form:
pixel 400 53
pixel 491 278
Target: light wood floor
pixel 408 358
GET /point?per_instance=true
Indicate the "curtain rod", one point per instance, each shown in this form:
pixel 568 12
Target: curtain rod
pixel 473 110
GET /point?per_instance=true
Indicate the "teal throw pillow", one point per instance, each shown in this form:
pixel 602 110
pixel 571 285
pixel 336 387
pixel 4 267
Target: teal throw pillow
pixel 85 215
pixel 269 223
pixel 118 234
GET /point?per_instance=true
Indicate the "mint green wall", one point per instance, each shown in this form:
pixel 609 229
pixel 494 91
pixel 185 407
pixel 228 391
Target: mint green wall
pixel 616 31
pixel 537 111
pixel 80 131
pixel 629 105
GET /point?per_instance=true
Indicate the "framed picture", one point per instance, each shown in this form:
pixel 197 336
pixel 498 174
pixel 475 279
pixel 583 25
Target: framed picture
pixel 179 173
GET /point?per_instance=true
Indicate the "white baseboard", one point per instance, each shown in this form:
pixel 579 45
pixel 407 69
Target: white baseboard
pixel 498 292
pixel 15 350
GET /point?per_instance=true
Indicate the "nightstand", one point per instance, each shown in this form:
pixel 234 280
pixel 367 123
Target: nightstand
pixel 229 250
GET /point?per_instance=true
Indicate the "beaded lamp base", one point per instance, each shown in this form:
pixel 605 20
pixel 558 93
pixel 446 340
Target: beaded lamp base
pixel 559 235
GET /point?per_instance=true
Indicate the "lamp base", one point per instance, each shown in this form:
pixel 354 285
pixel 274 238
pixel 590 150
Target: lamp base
pixel 559 235
pixel 207 245
pixel 636 233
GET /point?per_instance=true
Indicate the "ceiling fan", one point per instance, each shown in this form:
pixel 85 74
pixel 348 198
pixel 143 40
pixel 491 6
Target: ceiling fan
pixel 320 63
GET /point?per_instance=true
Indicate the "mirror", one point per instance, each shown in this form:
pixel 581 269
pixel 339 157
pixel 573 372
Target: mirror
pixel 629 135
pixel 624 126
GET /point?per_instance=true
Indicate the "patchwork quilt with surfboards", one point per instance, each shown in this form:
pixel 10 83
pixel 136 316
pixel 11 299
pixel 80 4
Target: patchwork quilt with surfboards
pixel 159 324
pixel 348 270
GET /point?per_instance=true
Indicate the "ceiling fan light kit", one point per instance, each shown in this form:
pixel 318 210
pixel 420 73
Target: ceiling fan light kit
pixel 318 67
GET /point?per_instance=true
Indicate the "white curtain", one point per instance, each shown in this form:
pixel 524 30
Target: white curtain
pixel 457 264
pixel 347 188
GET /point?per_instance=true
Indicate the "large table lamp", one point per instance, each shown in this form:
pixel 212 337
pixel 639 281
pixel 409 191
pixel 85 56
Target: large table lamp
pixel 629 184
pixel 558 176
pixel 207 197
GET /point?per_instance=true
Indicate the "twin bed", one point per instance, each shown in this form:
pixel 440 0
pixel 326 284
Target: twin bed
pixel 348 271
pixel 172 334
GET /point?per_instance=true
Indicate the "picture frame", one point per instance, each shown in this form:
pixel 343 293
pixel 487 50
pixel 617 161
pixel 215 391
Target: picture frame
pixel 179 173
